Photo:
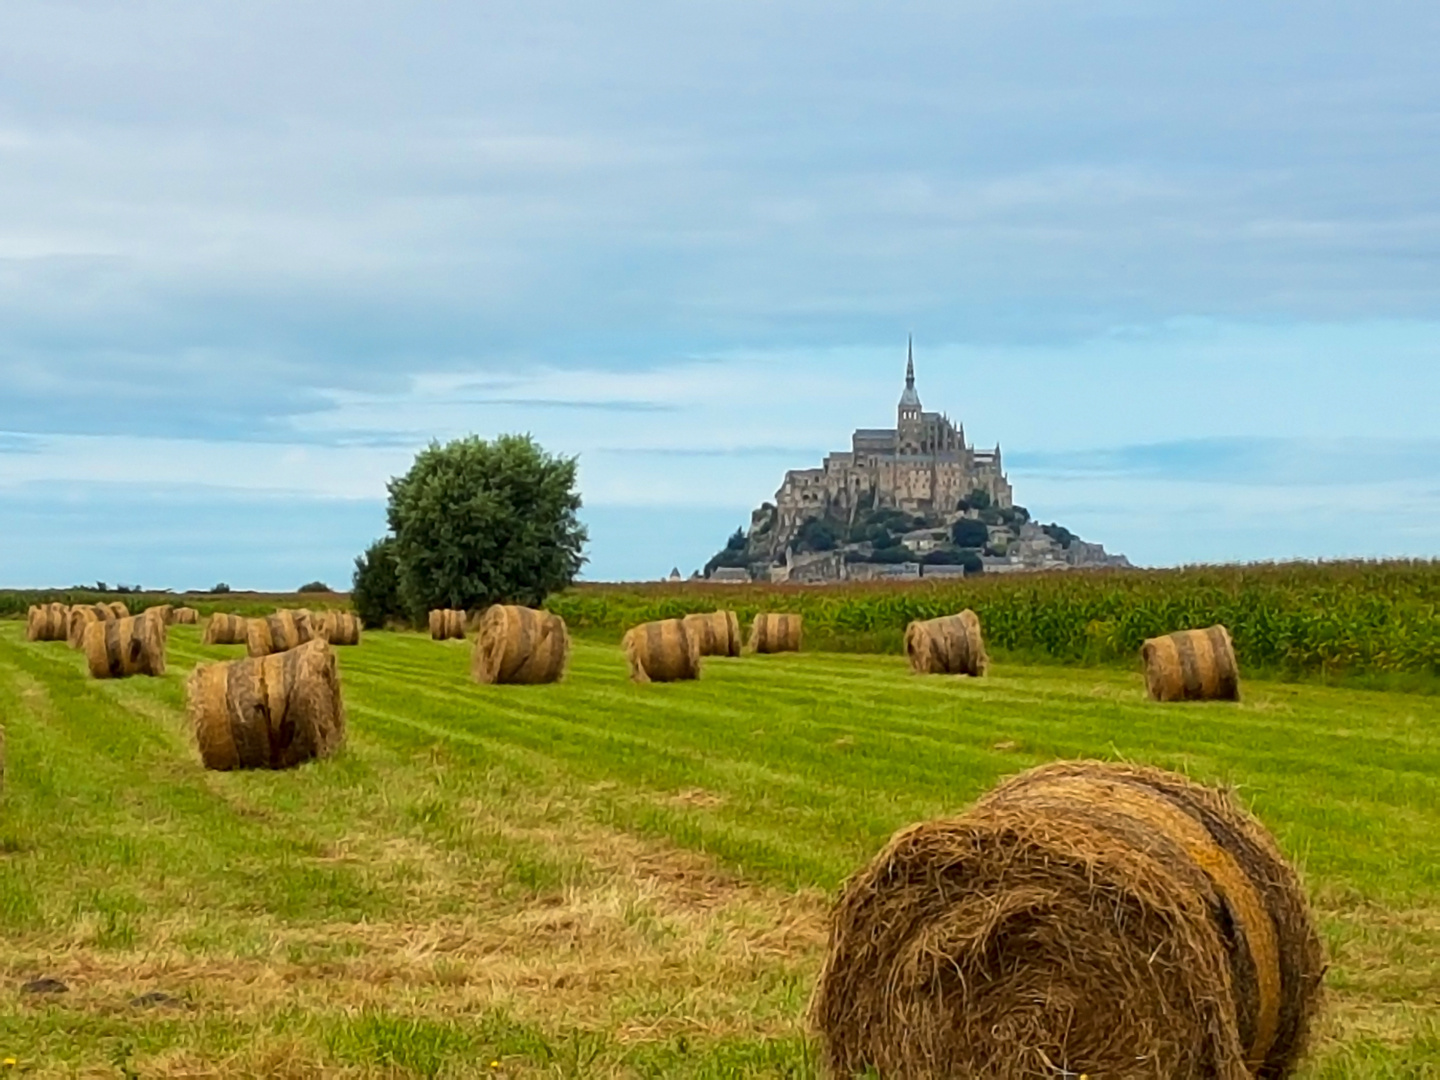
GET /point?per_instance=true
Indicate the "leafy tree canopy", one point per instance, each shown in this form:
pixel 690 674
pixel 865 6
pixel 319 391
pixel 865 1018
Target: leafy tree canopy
pixel 969 533
pixel 375 588
pixel 479 522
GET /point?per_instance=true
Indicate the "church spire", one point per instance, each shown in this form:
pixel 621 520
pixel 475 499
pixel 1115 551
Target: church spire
pixel 910 362
pixel 909 400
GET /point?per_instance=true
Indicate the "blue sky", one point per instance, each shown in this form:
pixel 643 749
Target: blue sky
pixel 1181 261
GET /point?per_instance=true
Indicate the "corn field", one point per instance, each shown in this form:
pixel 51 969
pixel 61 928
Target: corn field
pixel 1341 617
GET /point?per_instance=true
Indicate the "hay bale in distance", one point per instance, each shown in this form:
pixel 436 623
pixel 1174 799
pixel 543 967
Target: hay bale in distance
pixel 774 633
pixel 279 632
pixel 1192 665
pixel 662 651
pixel 1079 919
pixel 185 616
pixel 81 616
pixel 108 613
pixel 223 629
pixel 164 612
pixel 47 622
pixel 520 645
pixel 123 647
pixel 718 632
pixel 118 609
pixel 949 645
pixel 447 623
pixel 337 627
pixel 268 712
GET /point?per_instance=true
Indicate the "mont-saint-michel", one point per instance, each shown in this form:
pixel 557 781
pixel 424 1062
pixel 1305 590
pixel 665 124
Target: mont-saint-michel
pixel 912 500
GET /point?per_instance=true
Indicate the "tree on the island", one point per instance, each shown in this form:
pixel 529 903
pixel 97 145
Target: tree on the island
pixel 733 554
pixel 979 499
pixel 816 534
pixel 478 522
pixel 1061 535
pixel 969 533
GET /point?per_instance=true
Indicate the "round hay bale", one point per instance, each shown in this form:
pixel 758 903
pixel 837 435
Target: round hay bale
pixel 1082 918
pixel 268 712
pixel 1192 665
pixel 520 645
pixel 185 616
pixel 950 645
pixel 107 613
pixel 223 629
pixel 662 651
pixel 718 632
pixel 47 622
pixel 772 633
pixel 123 647
pixel 280 632
pixel 337 627
pixel 164 612
pixel 81 616
pixel 118 609
pixel 447 623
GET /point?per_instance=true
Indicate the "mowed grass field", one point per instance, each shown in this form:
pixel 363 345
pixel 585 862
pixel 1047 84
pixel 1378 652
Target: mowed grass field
pixel 600 879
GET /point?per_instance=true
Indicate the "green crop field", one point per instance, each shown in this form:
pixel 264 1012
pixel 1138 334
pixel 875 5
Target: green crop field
pixel 601 879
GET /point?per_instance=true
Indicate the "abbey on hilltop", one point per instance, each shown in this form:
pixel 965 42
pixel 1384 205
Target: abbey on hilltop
pixel 922 465
pixel 912 500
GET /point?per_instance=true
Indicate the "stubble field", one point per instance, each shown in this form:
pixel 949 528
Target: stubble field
pixel 600 879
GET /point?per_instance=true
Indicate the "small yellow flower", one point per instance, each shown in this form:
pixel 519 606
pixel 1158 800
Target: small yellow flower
pixel 11 1062
pixel 494 1064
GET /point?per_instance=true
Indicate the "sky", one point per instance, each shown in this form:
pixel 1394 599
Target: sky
pixel 1181 261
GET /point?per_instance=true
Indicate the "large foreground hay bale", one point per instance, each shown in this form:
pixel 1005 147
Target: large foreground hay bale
pixel 950 645
pixel 662 651
pixel 1082 918
pixel 1192 665
pixel 185 616
pixel 718 632
pixel 447 623
pixel 337 627
pixel 47 622
pixel 520 645
pixel 268 712
pixel 280 632
pixel 81 616
pixel 772 633
pixel 123 647
pixel 223 629
pixel 118 610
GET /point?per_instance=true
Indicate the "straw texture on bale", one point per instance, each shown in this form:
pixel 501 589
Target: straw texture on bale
pixel 185 616
pixel 1192 665
pixel 47 622
pixel 268 712
pixel 81 616
pixel 1082 918
pixel 123 647
pixel 662 651
pixel 950 645
pixel 447 623
pixel 108 613
pixel 772 633
pixel 280 632
pixel 118 609
pixel 225 629
pixel 337 627
pixel 520 645
pixel 718 632
pixel 164 612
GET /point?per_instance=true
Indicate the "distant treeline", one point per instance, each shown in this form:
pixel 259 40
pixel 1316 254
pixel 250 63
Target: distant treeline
pixel 14 603
pixel 1301 617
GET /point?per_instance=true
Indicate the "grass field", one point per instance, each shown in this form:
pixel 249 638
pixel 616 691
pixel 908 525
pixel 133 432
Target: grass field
pixel 598 879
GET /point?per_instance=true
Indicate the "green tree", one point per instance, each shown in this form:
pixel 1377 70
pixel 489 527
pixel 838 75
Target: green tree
pixel 375 588
pixel 479 522
pixel 969 533
pixel 816 535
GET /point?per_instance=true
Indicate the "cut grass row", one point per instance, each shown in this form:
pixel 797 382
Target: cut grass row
pixel 601 879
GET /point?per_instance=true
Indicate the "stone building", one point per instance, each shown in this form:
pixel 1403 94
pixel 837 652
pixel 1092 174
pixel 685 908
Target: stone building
pixel 922 465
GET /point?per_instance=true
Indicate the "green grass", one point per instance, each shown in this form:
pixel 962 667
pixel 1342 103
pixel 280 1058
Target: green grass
pixel 600 879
